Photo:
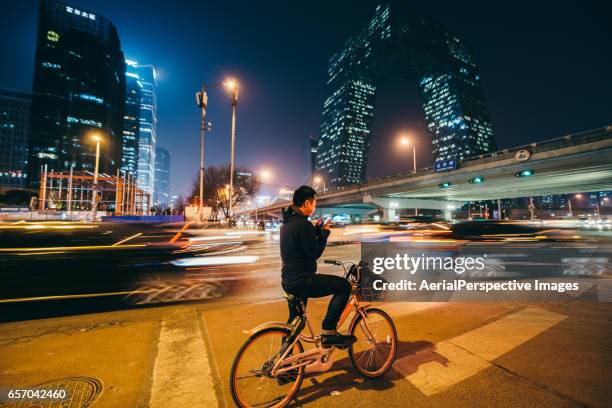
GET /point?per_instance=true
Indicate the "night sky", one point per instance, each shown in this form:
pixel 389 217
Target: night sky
pixel 546 70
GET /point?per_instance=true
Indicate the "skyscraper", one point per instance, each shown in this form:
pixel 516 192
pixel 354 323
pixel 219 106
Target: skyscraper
pixel 162 177
pixel 397 42
pixel 147 135
pixel 131 124
pixel 79 87
pixel 14 127
pixel 313 144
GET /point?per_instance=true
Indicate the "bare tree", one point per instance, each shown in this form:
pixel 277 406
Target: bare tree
pixel 216 187
pixel 179 206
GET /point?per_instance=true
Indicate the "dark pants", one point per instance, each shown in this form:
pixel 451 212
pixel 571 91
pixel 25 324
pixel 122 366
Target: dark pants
pixel 323 285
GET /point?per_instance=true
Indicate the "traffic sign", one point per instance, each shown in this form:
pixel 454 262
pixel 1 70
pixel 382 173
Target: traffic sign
pixel 445 165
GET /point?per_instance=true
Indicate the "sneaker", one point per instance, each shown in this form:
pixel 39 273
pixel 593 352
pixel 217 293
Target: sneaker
pixel 338 340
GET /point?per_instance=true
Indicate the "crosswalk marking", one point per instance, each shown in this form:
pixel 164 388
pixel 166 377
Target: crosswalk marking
pixel 452 361
pixel 182 375
pixel 432 371
pixel 499 337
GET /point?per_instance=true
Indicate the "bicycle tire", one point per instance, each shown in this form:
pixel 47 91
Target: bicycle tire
pixel 393 354
pixel 233 387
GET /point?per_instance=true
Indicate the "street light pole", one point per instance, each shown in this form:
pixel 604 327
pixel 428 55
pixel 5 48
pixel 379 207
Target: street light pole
pixel 416 210
pixel 405 141
pixel 233 86
pixel 94 200
pixel 202 100
pixel 319 179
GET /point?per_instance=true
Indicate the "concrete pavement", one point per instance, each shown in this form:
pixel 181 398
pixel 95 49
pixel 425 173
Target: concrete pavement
pixel 450 354
pixel 455 354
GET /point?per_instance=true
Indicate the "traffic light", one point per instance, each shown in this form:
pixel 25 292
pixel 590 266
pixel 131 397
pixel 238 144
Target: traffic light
pixel 445 185
pixel 477 180
pixel 524 173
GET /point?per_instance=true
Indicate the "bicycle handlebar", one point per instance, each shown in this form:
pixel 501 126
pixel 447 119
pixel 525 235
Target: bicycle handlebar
pixel 344 266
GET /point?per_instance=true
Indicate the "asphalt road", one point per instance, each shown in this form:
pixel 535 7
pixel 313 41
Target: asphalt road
pixel 156 319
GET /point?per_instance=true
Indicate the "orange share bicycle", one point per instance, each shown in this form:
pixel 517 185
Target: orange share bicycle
pixel 270 366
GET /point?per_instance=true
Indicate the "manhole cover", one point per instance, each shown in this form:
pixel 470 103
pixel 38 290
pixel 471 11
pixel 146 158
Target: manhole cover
pixel 81 392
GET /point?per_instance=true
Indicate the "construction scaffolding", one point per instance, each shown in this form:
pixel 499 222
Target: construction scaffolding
pixel 75 191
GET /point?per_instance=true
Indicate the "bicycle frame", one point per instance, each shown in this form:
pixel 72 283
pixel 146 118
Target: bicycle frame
pixel 287 362
pixel 317 359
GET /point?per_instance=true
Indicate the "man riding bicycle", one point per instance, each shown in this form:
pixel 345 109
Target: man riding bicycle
pixel 301 244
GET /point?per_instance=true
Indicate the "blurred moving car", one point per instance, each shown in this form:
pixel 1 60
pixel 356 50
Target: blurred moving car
pixel 509 231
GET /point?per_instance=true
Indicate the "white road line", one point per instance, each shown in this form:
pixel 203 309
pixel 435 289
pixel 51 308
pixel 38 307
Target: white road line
pixel 452 361
pixel 182 375
pixel 127 239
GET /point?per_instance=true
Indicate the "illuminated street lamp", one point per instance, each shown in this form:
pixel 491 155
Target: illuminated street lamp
pixel 579 197
pixel 318 180
pixel 94 201
pixel 232 85
pixel 405 142
pixel 265 174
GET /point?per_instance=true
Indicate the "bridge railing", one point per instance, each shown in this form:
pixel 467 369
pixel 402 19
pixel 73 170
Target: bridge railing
pixel 545 145
pixel 536 147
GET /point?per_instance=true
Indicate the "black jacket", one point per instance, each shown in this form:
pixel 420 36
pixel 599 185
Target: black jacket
pixel 301 244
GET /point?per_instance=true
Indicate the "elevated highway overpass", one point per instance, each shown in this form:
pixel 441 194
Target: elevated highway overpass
pixel 574 163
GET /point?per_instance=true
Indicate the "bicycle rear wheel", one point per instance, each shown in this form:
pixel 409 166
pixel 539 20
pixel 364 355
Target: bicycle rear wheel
pixel 375 350
pixel 251 383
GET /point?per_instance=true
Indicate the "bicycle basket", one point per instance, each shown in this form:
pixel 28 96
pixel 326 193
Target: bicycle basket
pixel 366 292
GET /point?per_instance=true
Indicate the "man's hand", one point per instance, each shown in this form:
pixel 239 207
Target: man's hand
pixel 327 224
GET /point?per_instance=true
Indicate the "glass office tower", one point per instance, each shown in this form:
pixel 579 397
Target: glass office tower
pixel 313 146
pixel 79 88
pixel 162 177
pixel 147 135
pixel 14 128
pixel 397 42
pixel 131 124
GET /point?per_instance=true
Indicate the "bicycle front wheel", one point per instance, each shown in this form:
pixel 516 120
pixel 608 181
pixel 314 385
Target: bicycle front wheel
pixel 375 350
pixel 251 382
